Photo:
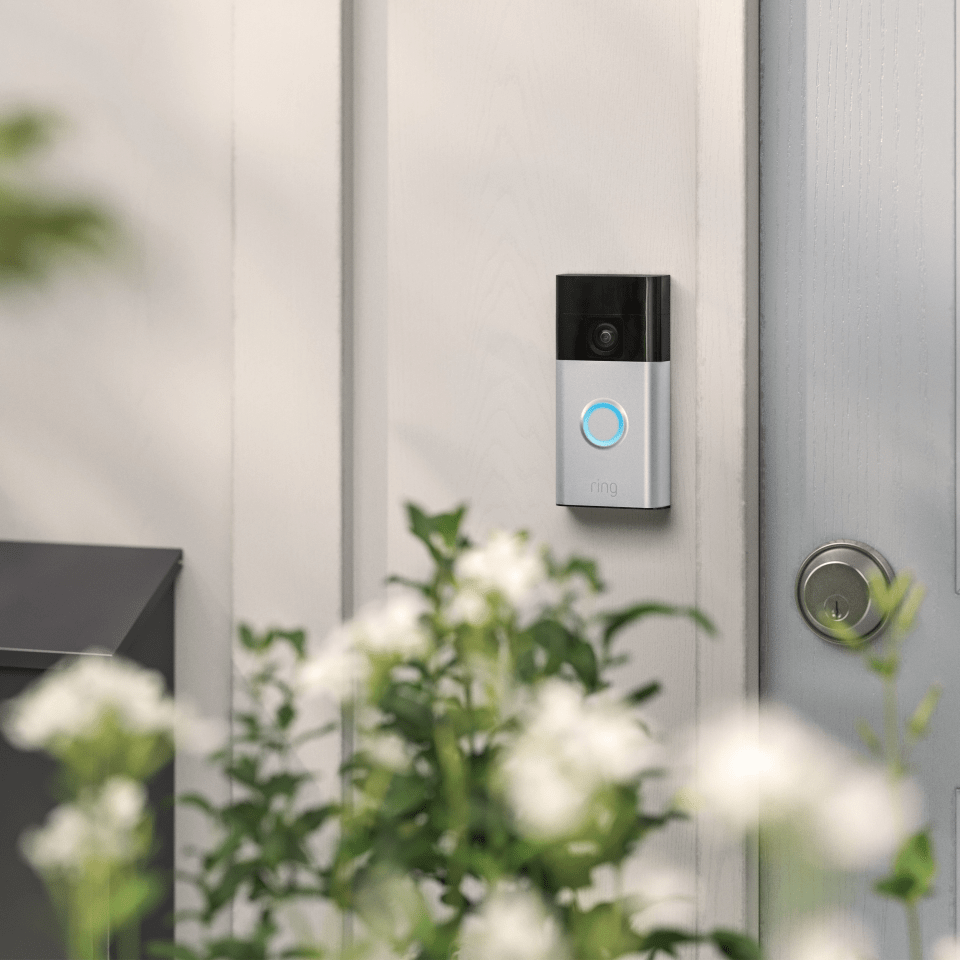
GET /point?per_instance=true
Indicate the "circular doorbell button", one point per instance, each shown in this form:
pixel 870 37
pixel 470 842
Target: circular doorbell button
pixel 603 423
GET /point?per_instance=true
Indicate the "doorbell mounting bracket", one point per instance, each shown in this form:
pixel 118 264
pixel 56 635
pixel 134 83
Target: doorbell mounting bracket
pixel 613 391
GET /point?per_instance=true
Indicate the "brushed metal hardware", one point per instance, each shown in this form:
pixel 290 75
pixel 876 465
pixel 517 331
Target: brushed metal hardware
pixel 833 585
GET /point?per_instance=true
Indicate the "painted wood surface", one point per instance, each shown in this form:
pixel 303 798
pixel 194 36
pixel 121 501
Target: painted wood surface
pixel 189 395
pixel 858 356
pixel 529 139
pixel 727 455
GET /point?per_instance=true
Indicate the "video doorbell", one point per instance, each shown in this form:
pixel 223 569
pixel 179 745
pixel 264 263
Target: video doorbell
pixel 613 391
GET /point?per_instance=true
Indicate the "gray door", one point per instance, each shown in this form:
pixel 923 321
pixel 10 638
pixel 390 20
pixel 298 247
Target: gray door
pixel 857 361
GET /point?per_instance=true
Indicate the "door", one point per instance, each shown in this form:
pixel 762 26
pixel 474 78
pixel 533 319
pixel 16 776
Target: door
pixel 857 363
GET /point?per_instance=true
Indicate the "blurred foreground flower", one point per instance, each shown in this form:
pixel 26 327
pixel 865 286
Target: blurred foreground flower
pixel 497 776
pixel 768 769
pixel 505 564
pixel 947 949
pixel 831 938
pixel 570 746
pixel 512 924
pixel 101 827
pixel 110 725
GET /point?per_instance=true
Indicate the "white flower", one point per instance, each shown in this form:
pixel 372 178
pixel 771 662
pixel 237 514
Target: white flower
pixel 946 949
pixel 389 751
pixel 771 760
pixel 392 628
pixel 665 897
pixel 831 938
pixel 545 798
pixel 864 816
pixel 506 563
pixel 511 925
pixel 769 767
pixel 102 828
pixel 468 606
pixel 391 905
pixel 335 670
pixel 72 701
pixel 569 747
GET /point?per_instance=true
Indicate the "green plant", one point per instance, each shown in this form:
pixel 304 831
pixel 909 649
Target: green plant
pixel 110 726
pixel 497 774
pixel 37 228
pixel 913 866
pixel 263 853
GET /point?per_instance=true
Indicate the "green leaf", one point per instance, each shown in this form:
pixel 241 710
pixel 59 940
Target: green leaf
pixel 285 715
pixel 614 622
pixel 870 740
pixel 575 567
pixel 37 231
pixel 261 643
pixel 308 821
pixel 438 530
pixel 665 941
pixel 734 945
pixel 584 662
pixel 25 132
pixel 918 723
pixel 562 647
pixel 884 666
pixel 604 931
pixel 642 694
pixel 176 951
pixel 198 801
pixel 913 870
pixel 132 897
pixel 905 616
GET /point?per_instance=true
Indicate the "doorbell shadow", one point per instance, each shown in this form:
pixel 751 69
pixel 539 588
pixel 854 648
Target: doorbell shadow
pixel 620 518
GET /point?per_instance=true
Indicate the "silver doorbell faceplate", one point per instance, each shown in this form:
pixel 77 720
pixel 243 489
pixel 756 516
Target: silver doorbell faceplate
pixel 613 391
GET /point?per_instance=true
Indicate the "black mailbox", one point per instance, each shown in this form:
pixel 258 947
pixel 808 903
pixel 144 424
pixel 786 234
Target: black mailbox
pixel 58 600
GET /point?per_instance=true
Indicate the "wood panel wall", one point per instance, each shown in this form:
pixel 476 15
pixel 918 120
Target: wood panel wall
pixel 526 139
pixel 193 397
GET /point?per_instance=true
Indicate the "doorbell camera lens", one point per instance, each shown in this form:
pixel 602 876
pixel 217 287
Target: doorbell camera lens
pixel 605 339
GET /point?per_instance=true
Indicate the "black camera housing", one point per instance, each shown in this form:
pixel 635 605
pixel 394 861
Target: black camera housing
pixel 636 307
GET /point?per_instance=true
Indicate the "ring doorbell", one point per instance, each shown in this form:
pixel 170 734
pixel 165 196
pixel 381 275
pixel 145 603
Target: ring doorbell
pixel 613 391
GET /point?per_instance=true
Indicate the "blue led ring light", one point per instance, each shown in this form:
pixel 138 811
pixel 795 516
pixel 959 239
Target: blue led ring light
pixel 617 411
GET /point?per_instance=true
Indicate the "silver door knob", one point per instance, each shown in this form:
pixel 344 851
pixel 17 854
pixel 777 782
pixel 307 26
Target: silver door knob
pixel 834 586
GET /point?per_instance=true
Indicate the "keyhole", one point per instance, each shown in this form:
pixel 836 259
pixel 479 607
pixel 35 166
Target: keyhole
pixel 836 607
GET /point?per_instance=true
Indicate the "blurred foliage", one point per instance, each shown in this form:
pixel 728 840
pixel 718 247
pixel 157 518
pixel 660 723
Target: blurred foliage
pixel 444 820
pixel 429 841
pixel 39 229
pixel 263 849
pixel 914 866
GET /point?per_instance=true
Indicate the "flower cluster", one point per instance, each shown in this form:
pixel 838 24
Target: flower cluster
pixel 571 746
pixel 768 767
pixel 506 565
pixel 497 772
pixel 512 924
pixel 100 826
pixel 73 700
pixel 110 725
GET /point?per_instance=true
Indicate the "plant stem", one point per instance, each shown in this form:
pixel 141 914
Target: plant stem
pixel 913 928
pixel 897 763
pixel 891 725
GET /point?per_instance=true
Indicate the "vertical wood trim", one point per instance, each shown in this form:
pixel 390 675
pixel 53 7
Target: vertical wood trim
pixel 288 275
pixel 287 288
pixel 727 402
pixel 371 507
pixel 956 308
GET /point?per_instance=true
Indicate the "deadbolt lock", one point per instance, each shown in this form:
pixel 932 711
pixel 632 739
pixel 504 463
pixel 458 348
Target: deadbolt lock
pixel 834 586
